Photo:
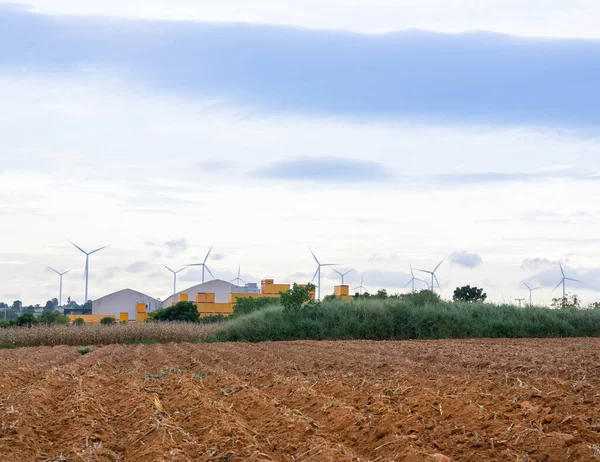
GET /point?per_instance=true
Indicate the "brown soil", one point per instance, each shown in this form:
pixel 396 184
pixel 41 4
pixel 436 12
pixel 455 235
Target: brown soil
pixel 460 400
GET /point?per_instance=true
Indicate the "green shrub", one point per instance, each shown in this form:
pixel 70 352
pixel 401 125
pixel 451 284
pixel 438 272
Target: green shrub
pixel 247 305
pixel 414 316
pixel 108 321
pixel 84 350
pixel 78 322
pixel 182 311
pixel 26 320
pixel 294 299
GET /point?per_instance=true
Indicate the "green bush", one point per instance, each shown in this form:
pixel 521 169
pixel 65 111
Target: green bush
pixel 247 305
pixel 294 299
pixel 182 311
pixel 26 320
pixel 212 319
pixel 108 321
pixel 78 322
pixel 415 316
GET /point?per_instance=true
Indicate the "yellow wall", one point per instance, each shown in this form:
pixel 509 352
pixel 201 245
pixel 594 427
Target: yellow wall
pixel 90 318
pixel 124 316
pixel 141 317
pixel 341 290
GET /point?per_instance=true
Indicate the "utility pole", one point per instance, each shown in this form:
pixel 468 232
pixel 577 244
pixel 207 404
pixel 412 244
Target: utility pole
pixel 520 300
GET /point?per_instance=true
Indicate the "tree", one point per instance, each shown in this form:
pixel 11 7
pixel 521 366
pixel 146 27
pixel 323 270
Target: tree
pixel 594 306
pixel 17 305
pixel 108 321
pixel 182 311
pixel 3 305
pixel 469 294
pixel 55 302
pixel 53 317
pixel 294 299
pixel 78 322
pixel 29 309
pixel 26 320
pixel 422 298
pixel 569 301
pixel 247 305
pixel 49 308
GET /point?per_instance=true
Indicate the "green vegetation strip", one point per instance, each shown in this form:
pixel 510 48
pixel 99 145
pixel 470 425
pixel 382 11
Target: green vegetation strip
pixel 412 317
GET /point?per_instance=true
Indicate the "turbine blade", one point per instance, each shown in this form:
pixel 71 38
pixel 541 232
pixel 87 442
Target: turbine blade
pixel 439 264
pixel 558 285
pixel 575 280
pixel 316 272
pixel 314 256
pixel 243 281
pixel 209 272
pixel 180 270
pixel 348 272
pixel 437 282
pixel 407 284
pixel 526 285
pixel 561 269
pixel 52 269
pixel 338 272
pixel 68 271
pixel 169 269
pixel 425 271
pixel 207 255
pixel 98 250
pixel 80 249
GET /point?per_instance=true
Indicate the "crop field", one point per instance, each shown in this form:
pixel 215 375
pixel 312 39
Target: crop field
pixel 461 400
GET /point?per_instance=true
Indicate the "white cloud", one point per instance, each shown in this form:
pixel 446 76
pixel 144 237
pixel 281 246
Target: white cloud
pixel 265 225
pixel 465 259
pixel 559 18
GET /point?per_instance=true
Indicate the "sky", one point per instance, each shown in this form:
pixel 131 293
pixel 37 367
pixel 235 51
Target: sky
pixel 379 134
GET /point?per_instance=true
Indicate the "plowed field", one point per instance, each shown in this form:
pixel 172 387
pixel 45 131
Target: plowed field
pixel 461 400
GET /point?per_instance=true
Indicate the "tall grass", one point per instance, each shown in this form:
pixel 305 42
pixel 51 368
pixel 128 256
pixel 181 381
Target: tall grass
pixel 403 319
pixel 103 335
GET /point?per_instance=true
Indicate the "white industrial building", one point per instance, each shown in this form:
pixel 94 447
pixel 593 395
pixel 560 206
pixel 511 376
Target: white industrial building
pixel 124 301
pixel 220 288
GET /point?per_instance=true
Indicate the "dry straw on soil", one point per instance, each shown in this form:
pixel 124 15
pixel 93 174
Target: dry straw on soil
pixel 104 335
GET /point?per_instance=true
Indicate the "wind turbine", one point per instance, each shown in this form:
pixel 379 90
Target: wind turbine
pixel 343 274
pixel 60 291
pixel 175 277
pixel 530 291
pixel 318 273
pixel 238 279
pixel 413 279
pixel 361 284
pixel 203 265
pixel 87 265
pixel 433 276
pixel 564 280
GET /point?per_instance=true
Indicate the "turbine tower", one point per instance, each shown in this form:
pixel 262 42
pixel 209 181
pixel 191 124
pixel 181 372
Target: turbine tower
pixel 564 280
pixel 87 266
pixel 238 279
pixel 433 276
pixel 343 274
pixel 318 273
pixel 362 276
pixel 175 277
pixel 203 265
pixel 60 290
pixel 413 279
pixel 530 292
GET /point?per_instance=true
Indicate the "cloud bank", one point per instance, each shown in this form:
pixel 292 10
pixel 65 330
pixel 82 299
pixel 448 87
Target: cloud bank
pixel 470 77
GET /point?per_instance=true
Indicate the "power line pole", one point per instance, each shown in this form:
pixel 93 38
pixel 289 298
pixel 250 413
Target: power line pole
pixel 520 300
